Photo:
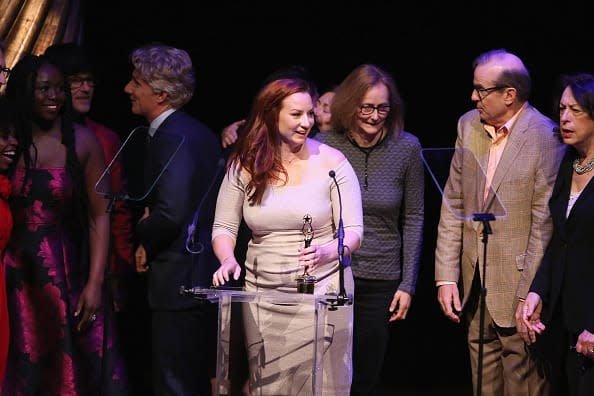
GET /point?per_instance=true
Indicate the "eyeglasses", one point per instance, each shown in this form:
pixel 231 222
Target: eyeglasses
pixel 484 92
pixel 5 71
pixel 368 109
pixel 77 82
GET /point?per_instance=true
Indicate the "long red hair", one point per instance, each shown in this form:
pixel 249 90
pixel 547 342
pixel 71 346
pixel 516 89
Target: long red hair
pixel 258 149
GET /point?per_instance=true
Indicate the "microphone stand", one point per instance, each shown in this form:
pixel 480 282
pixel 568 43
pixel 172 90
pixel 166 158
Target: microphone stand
pixel 484 218
pixel 119 196
pixel 107 312
pixel 342 298
pixel 193 246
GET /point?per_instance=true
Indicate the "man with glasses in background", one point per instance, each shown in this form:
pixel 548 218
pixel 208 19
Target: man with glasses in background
pixel 516 147
pixel 4 71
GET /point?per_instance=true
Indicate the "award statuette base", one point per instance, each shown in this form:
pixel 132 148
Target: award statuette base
pixel 306 283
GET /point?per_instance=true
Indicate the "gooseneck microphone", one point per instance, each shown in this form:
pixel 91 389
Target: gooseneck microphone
pixel 113 197
pixel 342 297
pixel 332 174
pixel 193 246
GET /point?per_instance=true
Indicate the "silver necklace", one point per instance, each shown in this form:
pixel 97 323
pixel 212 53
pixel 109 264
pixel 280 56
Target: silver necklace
pixel 290 161
pixel 581 169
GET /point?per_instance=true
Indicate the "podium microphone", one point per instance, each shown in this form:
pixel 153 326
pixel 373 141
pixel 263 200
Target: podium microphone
pixel 332 174
pixel 113 198
pixel 342 297
pixel 192 246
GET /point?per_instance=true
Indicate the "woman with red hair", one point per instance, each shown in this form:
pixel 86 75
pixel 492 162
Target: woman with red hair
pixel 278 182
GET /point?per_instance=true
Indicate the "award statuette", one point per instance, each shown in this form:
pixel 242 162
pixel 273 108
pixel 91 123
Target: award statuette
pixel 305 282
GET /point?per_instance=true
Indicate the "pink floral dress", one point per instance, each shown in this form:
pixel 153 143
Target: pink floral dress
pixel 46 270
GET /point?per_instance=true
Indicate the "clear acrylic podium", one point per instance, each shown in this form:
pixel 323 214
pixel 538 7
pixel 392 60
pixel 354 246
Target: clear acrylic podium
pixel 225 298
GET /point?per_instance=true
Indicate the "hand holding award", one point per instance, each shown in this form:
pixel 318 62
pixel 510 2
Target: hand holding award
pixel 305 282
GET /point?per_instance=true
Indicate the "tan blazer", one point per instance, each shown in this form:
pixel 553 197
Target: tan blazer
pixel 523 182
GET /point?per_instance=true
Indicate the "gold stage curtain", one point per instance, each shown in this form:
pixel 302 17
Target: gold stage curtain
pixel 30 26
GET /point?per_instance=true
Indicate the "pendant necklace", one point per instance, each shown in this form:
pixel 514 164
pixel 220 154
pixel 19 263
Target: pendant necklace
pixel 289 161
pixel 367 151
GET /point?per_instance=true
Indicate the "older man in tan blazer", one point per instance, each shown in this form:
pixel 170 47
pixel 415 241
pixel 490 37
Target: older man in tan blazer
pixel 506 152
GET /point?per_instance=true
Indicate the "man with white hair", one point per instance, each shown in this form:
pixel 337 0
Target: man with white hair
pixel 183 328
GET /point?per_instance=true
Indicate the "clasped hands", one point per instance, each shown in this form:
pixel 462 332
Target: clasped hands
pixel 530 316
pixel 527 316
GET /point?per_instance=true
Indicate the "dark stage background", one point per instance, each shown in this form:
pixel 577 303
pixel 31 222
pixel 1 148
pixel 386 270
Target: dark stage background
pixel 428 48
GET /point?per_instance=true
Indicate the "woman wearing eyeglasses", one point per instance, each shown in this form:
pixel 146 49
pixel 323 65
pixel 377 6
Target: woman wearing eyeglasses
pixel 367 121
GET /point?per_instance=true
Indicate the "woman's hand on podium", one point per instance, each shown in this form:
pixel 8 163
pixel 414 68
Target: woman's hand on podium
pixel 228 266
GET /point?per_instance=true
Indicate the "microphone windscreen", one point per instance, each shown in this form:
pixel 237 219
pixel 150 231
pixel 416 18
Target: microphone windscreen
pixel 331 174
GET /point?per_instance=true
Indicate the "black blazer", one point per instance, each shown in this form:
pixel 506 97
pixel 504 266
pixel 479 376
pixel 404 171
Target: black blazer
pixel 566 274
pixel 190 176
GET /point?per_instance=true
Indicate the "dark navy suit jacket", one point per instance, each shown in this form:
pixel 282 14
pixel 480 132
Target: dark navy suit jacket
pixel 190 155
